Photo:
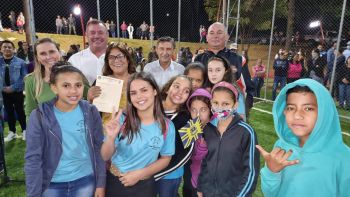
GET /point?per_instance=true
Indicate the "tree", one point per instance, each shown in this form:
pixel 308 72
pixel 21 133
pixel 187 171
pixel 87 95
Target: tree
pixel 255 15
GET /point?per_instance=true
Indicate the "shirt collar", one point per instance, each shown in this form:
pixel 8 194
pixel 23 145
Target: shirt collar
pixel 171 66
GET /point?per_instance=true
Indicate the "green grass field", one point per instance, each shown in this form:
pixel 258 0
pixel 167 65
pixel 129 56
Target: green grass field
pixel 261 121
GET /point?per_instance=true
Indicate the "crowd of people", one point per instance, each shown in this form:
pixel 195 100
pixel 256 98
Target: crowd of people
pixel 17 22
pixel 137 150
pixel 290 66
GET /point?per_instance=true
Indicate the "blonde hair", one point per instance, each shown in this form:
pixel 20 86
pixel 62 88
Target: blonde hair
pixel 39 70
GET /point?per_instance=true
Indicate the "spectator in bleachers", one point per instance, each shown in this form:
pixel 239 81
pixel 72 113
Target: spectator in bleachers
pixel 59 25
pixel 339 72
pixel 112 28
pixel 91 60
pixel 344 87
pixel 316 66
pixel 144 28
pixel 25 52
pixel 1 28
pixel 346 52
pixel 294 69
pixel 124 28
pixel 73 49
pixel 20 22
pixel 280 76
pixel 330 62
pixel 12 18
pixel 164 68
pixel 139 55
pixel 131 31
pixel 107 25
pixel 132 54
pixel 12 70
pixel 65 25
pixel 323 52
pixel 152 55
pixel 259 76
pixel 71 24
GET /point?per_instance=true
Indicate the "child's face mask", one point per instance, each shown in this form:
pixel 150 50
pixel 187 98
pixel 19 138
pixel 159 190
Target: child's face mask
pixel 223 114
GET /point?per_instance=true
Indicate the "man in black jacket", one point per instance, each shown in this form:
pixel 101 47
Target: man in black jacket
pixel 217 37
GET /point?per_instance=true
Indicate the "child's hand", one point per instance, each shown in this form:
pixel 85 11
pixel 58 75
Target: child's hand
pixel 277 159
pixel 199 194
pixel 112 127
pixel 131 178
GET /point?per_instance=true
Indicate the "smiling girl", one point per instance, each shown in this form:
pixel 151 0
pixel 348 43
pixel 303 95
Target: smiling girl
pixel 134 141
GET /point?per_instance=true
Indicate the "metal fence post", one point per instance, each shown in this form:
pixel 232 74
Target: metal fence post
pixel 270 47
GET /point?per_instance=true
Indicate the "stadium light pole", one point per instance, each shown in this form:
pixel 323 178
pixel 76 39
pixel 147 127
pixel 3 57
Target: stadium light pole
pixel 315 24
pixel 77 11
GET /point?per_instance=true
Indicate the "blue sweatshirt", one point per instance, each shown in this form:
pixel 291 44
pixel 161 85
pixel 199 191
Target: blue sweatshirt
pixel 324 167
pixel 44 146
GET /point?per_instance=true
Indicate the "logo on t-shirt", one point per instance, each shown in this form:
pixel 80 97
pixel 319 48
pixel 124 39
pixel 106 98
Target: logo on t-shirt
pixel 80 126
pixel 155 143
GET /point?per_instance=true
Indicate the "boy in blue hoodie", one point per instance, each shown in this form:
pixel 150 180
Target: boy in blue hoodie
pixel 310 157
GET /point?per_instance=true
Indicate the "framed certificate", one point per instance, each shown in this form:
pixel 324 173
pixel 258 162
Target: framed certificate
pixel 111 91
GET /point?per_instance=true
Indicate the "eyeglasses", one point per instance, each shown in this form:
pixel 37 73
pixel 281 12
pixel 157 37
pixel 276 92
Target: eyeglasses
pixel 118 57
pixel 201 110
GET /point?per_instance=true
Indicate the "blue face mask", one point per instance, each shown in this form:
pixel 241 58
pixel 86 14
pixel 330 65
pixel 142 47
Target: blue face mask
pixel 223 114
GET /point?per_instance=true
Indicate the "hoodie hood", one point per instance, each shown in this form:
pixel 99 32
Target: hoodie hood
pixel 326 132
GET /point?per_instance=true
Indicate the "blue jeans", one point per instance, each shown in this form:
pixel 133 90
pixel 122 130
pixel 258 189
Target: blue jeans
pixel 278 80
pixel 344 94
pixel 84 186
pixel 258 83
pixel 168 187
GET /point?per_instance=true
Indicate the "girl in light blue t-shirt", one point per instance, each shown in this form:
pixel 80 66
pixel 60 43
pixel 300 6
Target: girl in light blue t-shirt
pixel 140 143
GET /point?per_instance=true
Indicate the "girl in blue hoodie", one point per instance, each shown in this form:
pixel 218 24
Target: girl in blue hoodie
pixel 310 157
pixel 64 140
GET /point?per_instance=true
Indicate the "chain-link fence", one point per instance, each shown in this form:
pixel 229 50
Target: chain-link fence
pixel 278 38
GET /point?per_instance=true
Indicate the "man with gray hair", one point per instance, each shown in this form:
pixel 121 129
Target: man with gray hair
pixel 217 37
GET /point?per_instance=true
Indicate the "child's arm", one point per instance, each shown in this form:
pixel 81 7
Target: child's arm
pixel 132 177
pixel 202 179
pixel 97 139
pixel 251 164
pixel 200 150
pixel 33 156
pixel 111 128
pixel 271 173
pixel 167 150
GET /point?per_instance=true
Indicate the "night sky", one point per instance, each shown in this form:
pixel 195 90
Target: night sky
pixel 45 12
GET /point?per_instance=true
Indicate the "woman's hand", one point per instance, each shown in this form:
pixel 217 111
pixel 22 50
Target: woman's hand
pixel 93 92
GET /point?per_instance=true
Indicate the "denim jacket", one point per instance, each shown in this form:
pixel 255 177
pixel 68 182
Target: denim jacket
pixel 44 146
pixel 17 70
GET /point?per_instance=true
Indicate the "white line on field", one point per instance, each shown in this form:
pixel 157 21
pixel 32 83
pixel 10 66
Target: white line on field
pixel 267 112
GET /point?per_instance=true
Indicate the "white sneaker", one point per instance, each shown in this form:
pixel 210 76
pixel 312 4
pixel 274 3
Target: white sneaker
pixel 11 135
pixel 24 135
